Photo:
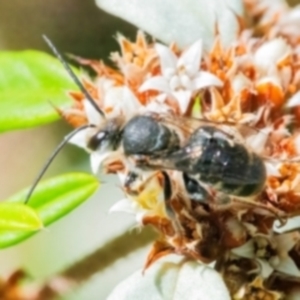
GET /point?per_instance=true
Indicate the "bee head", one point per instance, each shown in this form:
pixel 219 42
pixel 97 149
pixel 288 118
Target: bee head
pixel 106 138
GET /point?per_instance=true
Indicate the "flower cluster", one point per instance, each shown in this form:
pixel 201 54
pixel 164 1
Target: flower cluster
pixel 250 88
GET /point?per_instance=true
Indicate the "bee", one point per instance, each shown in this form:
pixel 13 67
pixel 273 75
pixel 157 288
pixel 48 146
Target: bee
pixel 116 133
pixel 211 156
pixel 202 150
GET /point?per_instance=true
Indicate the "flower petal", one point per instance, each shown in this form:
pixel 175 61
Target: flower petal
pixel 92 114
pixel 157 106
pixel 124 205
pixel 266 269
pixel 183 98
pixel 291 224
pixel 286 241
pixel 258 140
pixel 157 83
pixel 294 100
pixel 96 159
pixel 121 100
pixel 191 58
pixel 267 55
pixel 79 139
pixel 228 25
pixel 172 277
pixel 205 79
pixel 288 266
pixel 246 250
pixel 167 58
pixel 272 170
pixel 130 104
pixel 180 21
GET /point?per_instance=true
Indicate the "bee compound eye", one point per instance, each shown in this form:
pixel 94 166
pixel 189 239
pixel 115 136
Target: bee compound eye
pixel 96 140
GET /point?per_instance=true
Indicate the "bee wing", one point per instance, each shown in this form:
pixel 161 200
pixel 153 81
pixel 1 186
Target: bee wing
pixel 184 124
pixel 187 125
pixel 180 159
pixel 186 158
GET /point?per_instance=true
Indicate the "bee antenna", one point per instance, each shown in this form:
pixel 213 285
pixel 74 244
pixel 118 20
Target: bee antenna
pixel 51 158
pixel 72 75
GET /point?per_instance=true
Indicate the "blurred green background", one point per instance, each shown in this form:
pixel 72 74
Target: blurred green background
pixel 77 27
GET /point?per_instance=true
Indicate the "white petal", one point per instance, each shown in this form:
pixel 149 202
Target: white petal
pixel 288 266
pixel 292 224
pixel 205 79
pixel 130 104
pixel 80 138
pixel 246 250
pixel 180 21
pixel 270 53
pixel 92 114
pixel 157 83
pixel 266 269
pixel 96 160
pixel 122 177
pixel 139 217
pixel 124 205
pixel 257 141
pixel 240 82
pixel 183 99
pixel 272 169
pixel 172 277
pixel 166 56
pixel 297 143
pixel 228 26
pixel 191 58
pixel 156 106
pixel 286 241
pixel 122 101
pixel 294 100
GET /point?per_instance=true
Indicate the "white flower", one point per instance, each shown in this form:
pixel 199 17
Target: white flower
pixel 181 77
pixel 180 21
pixel 271 254
pixel 270 54
pixel 172 277
pixel 146 197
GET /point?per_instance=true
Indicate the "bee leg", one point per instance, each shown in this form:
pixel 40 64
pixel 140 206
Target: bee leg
pixel 167 185
pixel 282 218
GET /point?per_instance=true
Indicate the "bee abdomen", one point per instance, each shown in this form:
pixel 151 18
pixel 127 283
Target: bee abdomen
pixel 255 172
pixel 228 167
pixel 234 171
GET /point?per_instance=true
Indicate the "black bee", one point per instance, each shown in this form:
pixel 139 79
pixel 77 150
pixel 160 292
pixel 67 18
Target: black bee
pixel 200 149
pixel 212 157
pixel 142 134
pixel 208 154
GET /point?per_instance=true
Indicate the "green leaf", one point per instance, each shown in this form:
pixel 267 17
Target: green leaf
pixel 52 199
pixel 30 81
pixel 18 216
